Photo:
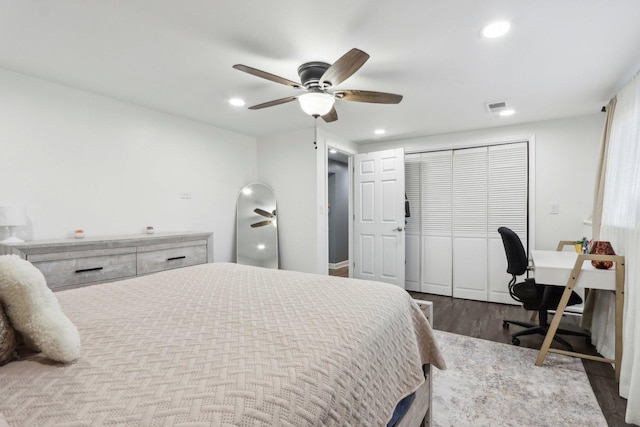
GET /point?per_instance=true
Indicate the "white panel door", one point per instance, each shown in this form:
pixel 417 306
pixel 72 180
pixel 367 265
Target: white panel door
pixel 470 223
pixel 379 245
pixel 436 222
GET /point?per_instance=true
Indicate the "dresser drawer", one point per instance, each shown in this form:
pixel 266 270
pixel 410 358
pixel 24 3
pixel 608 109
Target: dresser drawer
pixel 152 259
pixel 64 273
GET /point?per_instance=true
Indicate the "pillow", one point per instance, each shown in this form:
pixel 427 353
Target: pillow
pixel 7 339
pixel 35 312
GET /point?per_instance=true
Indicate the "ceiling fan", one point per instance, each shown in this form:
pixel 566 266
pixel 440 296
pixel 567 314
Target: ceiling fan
pixel 264 214
pixel 318 79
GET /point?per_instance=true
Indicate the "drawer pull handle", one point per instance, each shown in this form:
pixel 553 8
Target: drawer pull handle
pixel 86 270
pixel 176 257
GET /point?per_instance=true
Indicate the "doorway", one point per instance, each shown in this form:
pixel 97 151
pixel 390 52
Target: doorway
pixel 338 182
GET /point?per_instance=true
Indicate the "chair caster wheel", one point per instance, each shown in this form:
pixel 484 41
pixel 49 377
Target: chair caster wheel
pixel 505 325
pixel 515 341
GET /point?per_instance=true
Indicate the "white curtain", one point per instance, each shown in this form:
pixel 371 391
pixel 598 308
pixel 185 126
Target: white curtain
pixel 621 226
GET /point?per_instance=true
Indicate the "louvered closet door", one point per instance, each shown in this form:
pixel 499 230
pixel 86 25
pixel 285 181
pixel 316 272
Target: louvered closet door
pixel 412 223
pixel 436 218
pixel 508 201
pixel 470 194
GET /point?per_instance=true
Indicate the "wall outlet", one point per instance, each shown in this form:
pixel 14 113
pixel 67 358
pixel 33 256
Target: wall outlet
pixel 185 194
pixel 555 208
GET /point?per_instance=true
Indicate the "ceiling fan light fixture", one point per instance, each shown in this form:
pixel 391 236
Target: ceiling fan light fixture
pixel 316 103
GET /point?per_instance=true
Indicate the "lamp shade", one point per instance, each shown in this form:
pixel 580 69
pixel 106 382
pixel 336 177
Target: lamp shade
pixel 12 216
pixel 316 103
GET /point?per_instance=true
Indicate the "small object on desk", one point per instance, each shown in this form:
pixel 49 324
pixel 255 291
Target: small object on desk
pixel 602 248
pixel 149 230
pixel 78 234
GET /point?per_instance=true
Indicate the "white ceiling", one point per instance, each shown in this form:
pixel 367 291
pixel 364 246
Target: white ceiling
pixel 561 58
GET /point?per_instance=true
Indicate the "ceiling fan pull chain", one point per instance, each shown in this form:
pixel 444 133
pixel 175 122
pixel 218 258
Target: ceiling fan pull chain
pixel 315 132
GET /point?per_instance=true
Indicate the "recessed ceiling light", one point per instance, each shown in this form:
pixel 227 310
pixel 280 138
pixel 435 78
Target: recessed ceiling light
pixel 261 246
pixel 496 29
pixel 333 151
pixel 379 131
pixel 505 113
pixel 237 102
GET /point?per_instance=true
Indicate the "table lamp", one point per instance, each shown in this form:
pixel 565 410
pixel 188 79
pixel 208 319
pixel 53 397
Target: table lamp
pixel 12 217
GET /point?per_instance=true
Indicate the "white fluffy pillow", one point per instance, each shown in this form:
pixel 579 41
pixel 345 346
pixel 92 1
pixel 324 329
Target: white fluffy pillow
pixel 34 310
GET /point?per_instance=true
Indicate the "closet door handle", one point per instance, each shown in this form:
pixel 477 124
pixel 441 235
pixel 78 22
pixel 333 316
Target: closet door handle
pixel 397 229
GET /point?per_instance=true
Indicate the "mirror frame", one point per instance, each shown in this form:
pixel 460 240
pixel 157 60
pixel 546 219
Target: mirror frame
pixel 257 226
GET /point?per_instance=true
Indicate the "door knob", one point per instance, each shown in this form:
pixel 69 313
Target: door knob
pixel 397 229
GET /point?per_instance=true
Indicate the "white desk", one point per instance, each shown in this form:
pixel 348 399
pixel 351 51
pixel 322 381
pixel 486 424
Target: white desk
pixel 554 267
pixel 573 270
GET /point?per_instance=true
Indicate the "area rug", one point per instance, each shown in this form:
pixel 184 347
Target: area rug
pixel 494 384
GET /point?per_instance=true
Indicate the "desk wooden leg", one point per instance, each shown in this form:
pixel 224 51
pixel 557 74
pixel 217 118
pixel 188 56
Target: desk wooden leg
pixel 619 313
pixel 555 322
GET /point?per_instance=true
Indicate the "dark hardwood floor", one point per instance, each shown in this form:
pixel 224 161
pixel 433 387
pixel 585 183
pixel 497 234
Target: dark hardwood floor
pixel 340 272
pixel 484 320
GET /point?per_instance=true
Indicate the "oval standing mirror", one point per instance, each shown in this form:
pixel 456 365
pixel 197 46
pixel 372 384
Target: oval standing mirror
pixel 257 230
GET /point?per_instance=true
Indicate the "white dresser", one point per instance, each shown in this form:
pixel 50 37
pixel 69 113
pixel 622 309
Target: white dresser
pixel 70 263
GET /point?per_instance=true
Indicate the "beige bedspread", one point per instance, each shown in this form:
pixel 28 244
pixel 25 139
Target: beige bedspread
pixel 224 344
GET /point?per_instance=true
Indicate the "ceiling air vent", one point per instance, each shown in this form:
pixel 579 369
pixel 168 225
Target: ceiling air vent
pixel 496 107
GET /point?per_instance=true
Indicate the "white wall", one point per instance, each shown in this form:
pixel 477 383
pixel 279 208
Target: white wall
pixel 289 164
pixel 567 153
pixel 78 160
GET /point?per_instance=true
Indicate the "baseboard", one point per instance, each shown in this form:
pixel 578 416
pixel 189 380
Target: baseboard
pixel 340 264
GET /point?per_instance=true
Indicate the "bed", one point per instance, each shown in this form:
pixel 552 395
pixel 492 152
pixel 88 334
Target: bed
pixel 230 345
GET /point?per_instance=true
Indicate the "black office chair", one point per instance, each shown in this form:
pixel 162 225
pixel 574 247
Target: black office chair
pixel 533 296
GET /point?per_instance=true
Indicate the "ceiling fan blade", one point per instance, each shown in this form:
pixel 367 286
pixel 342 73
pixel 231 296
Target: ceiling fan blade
pixel 331 116
pixel 344 67
pixel 261 224
pixel 273 103
pixel 263 213
pixel 268 76
pixel 368 96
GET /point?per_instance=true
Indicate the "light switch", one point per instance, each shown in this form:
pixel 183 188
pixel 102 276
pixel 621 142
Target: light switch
pixel 555 208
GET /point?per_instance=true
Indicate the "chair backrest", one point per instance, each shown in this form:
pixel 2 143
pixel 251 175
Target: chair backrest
pixel 517 260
